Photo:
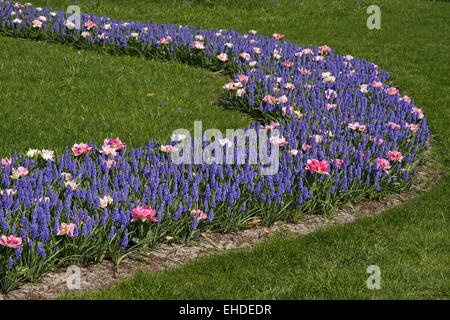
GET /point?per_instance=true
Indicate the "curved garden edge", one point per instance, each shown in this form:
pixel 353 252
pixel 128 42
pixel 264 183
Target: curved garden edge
pixel 172 255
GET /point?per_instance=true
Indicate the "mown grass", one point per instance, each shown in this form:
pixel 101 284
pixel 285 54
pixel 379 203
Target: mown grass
pixel 53 95
pixel 410 243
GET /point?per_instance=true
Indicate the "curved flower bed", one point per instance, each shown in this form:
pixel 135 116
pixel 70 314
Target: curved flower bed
pixel 345 134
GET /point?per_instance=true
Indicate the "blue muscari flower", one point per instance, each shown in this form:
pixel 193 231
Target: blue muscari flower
pixel 104 217
pixel 9 265
pixel 111 233
pixel 17 253
pixel 123 243
pixel 194 223
pixel 40 251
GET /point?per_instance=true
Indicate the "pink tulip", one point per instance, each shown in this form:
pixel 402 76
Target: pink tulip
pixel 304 71
pixel 198 45
pixel 382 164
pixel 79 149
pixel 357 126
pixel 164 40
pixel 318 138
pixel 330 93
pixel 348 57
pixel 116 143
pixel 288 64
pixel 306 147
pixel 412 127
pixel 19 172
pixel 282 99
pixel 277 36
pixel 168 148
pixel 223 57
pixel 272 126
pixel 111 163
pixel 395 155
pixel 89 25
pixel 377 84
pixel 307 51
pixel 143 213
pixel 392 91
pixel 393 125
pixel 245 56
pixel 331 106
pixel 229 86
pixel 10 241
pixel 324 49
pixel 317 166
pixel 242 78
pixel 414 110
pixel 65 228
pixel 199 214
pixel 278 141
pixel 269 99
pixel 6 162
pixel 339 162
pixel 406 98
pixel 284 110
pixel 240 92
pixel 289 85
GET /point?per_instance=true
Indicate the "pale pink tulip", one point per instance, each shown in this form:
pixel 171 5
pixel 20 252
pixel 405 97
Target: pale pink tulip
pixel 143 214
pixel 10 241
pixel 79 149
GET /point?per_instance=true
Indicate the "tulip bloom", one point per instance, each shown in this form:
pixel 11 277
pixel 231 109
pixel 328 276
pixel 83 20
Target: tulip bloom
pixel 418 111
pixel 223 57
pixel 339 162
pixel 278 141
pixel 272 126
pixel 392 91
pixel 65 228
pixel 79 149
pixel 199 214
pixel 395 155
pixel 242 78
pixel 198 45
pixel 304 71
pixel 10 241
pixel 324 50
pixel 168 148
pixel 269 99
pixel 89 25
pixel 6 162
pixel 383 164
pixel 306 147
pixel 143 214
pixel 277 36
pixel 317 166
pixel 19 172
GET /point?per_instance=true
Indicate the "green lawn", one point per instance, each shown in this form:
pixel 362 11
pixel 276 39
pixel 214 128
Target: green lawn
pixel 409 243
pixel 52 95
